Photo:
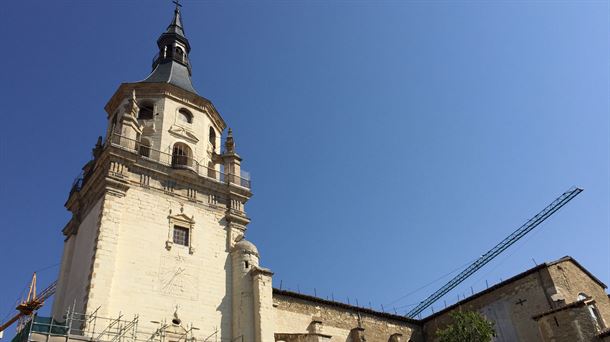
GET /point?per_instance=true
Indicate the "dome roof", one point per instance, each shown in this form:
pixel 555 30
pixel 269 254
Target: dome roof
pixel 246 246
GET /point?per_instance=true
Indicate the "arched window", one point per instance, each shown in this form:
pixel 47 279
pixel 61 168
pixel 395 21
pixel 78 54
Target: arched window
pixel 146 111
pixel 185 116
pixel 213 138
pixel 182 155
pixel 144 149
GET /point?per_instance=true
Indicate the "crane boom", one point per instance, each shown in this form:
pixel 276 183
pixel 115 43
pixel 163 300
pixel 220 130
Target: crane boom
pixel 497 249
pixel 32 303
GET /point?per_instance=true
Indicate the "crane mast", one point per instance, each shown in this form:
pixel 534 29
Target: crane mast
pixel 497 249
pixel 32 303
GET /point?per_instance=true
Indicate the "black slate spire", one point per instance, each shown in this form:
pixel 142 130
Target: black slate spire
pixel 176 25
pixel 171 64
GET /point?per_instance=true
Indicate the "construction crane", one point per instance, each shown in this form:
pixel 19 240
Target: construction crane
pixel 32 303
pixel 496 250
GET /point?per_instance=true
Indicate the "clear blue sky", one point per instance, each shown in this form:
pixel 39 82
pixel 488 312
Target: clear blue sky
pixel 389 142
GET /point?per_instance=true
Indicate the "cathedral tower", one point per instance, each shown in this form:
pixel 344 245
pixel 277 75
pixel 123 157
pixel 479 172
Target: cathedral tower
pixel 158 218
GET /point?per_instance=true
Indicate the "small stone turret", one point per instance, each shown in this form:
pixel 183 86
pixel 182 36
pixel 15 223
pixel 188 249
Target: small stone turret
pixel 247 253
pixel 244 256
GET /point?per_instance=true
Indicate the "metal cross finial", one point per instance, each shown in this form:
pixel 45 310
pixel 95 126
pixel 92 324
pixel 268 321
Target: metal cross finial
pixel 178 4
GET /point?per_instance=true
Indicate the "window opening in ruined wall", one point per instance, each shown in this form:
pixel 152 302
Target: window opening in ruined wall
pixel 595 316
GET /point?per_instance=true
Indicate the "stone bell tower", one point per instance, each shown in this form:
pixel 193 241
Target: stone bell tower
pixel 158 218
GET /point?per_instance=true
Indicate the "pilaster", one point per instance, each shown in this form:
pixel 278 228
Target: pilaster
pixel 105 252
pixel 264 320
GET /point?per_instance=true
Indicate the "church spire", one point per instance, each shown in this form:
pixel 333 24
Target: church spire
pixel 176 25
pixel 172 64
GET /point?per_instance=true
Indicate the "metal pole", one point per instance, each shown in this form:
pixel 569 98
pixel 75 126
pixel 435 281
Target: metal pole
pixel 50 330
pixel 29 335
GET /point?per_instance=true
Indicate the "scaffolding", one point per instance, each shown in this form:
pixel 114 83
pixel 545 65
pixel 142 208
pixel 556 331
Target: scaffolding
pixel 96 328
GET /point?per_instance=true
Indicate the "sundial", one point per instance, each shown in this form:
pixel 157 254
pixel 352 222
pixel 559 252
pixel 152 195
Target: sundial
pixel 177 277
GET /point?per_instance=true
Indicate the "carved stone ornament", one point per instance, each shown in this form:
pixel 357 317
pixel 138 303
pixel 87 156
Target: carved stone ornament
pixel 181 220
pixel 183 133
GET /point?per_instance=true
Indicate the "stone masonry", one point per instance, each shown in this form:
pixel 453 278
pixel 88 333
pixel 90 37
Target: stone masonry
pixel 158 233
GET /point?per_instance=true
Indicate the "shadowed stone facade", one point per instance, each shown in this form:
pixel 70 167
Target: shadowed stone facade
pixel 556 301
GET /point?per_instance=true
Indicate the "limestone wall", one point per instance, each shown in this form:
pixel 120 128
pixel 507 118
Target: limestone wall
pixel 150 280
pixel 199 127
pixel 298 314
pixel 165 128
pixel 264 322
pixel 137 270
pixel 76 264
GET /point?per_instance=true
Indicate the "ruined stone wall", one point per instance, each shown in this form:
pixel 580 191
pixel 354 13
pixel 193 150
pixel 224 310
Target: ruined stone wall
pixel 298 314
pixel 570 281
pixel 513 304
pixel 570 325
pixel 510 306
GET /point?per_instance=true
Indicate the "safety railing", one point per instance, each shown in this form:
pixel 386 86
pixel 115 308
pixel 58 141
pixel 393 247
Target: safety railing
pixel 180 160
